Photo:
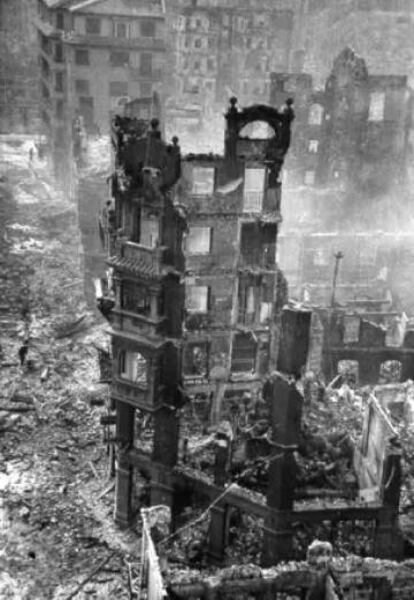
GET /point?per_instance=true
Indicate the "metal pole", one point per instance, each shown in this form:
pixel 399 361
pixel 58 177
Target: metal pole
pixel 338 257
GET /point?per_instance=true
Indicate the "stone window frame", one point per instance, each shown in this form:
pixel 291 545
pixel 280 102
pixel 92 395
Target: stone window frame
pixel 93 25
pixel 119 23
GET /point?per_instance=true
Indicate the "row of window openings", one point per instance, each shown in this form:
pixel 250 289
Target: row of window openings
pixel 133 366
pixel 376 111
pixel 118 58
pixel 121 29
pixel 203 183
pixel 243 358
pixel 253 302
pixel 251 305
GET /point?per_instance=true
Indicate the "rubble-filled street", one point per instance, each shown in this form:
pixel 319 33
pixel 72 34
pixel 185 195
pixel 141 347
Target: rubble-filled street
pixel 55 495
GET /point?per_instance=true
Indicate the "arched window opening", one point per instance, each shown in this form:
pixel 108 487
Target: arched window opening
pixel 390 372
pixel 315 114
pixel 349 372
pixel 257 130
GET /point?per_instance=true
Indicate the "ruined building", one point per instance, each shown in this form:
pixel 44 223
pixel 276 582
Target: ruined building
pixel 199 316
pixel 232 282
pixel 347 181
pixel 195 306
pixel 94 57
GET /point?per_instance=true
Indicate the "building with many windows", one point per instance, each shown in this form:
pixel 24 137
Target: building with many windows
pixel 18 68
pixel 224 48
pixel 348 183
pixel 195 294
pixel 95 56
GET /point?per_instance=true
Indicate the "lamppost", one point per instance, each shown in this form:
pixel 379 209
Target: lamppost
pixel 338 257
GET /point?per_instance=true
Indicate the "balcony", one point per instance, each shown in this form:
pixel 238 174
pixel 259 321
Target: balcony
pixel 138 395
pixel 139 260
pixel 133 322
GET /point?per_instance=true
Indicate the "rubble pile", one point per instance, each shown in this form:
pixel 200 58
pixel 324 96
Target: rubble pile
pixel 55 496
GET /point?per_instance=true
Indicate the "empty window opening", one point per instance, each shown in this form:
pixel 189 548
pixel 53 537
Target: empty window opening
pixel 60 20
pixel 254 180
pixel 136 299
pixel 59 81
pixel 247 302
pixel 146 63
pixel 349 371
pixel 196 360
pixel 133 366
pixel 196 298
pixel 257 130
pixel 86 108
pixel 198 240
pixel 203 180
pixel 390 372
pixel 376 106
pixel 315 114
pixel 351 329
pixel 150 231
pixel 313 146
pixel 58 52
pixel 243 358
pixel 265 313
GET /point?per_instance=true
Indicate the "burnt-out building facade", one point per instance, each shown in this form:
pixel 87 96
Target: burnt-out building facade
pixel 354 134
pixel 348 173
pixel 147 266
pixel 233 287
pixel 195 296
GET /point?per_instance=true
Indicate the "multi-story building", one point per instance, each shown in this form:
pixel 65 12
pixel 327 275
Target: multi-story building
pixel 95 57
pixel 354 134
pixel 148 268
pixel 18 68
pixel 226 48
pixel 233 287
pixel 198 296
pixel 348 171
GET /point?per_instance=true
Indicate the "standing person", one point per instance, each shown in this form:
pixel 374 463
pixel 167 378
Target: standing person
pixel 23 350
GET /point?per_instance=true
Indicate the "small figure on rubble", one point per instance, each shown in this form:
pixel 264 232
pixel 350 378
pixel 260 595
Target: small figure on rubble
pixel 23 350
